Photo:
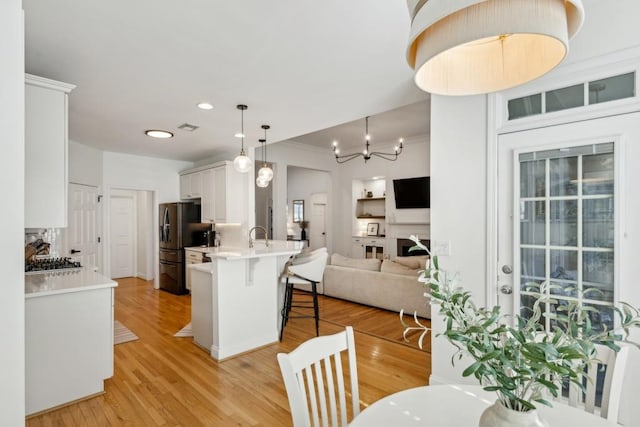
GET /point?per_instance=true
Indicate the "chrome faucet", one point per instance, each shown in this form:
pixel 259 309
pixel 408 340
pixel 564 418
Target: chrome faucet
pixel 266 236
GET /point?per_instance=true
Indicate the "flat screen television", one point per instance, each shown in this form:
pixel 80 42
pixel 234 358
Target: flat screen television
pixel 412 193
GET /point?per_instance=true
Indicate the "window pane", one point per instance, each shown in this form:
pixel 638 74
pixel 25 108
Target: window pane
pixel 525 106
pixel 532 223
pixel 563 176
pixel 597 274
pixel 597 223
pixel 563 222
pixel 532 178
pixel 612 88
pixel 597 174
pixel 564 272
pixel 532 266
pixel 604 317
pixel 567 97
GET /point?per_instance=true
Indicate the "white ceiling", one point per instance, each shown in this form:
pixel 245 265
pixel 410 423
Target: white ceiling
pixel 300 65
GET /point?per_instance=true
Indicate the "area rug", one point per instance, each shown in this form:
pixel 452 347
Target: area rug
pixel 122 334
pixel 185 332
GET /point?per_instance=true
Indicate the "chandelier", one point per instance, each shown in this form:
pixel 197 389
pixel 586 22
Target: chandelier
pixel 366 153
pixel 469 47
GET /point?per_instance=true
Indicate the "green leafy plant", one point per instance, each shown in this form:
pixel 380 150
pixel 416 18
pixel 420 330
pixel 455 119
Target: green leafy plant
pixel 515 357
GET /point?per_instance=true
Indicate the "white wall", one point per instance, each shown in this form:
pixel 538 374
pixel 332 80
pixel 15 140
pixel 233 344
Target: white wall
pixel 85 164
pixel 302 183
pixel 12 405
pixel 144 210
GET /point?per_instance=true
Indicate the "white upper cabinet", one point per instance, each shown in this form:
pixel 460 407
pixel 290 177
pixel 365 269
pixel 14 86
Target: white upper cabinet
pixel 46 135
pixel 223 193
pixel 191 185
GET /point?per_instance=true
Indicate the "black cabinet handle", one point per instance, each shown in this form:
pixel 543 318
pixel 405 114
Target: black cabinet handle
pixel 75 251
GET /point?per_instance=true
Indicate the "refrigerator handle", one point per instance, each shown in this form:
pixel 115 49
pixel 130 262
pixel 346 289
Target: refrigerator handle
pixel 165 226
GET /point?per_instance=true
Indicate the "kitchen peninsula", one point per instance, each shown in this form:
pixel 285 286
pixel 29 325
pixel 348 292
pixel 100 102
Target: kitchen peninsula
pixel 69 336
pixel 236 298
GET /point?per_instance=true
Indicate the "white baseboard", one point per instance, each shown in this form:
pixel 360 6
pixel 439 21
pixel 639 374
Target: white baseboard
pixel 144 276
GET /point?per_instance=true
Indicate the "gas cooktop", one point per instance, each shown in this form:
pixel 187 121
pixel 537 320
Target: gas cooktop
pixel 52 264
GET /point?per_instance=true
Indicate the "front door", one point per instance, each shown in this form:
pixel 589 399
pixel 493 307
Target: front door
pixel 558 212
pixel 318 221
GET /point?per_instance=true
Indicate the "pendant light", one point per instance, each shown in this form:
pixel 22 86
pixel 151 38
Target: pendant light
pixel 242 163
pixel 261 181
pixel 265 171
pixel 469 47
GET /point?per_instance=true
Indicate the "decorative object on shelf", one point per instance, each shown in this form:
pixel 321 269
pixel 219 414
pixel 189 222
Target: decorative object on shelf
pixel 366 154
pixel 242 163
pixel 468 47
pixel 369 194
pixel 523 364
pixel 372 229
pixel 265 174
pixel 303 229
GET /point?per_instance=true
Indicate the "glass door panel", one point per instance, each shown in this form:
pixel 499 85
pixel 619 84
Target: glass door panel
pixel 566 233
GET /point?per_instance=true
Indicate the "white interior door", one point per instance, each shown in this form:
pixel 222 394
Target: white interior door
pixel 318 221
pixel 83 231
pixel 122 237
pixel 559 211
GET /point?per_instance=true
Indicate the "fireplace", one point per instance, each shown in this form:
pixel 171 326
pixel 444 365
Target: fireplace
pixel 403 246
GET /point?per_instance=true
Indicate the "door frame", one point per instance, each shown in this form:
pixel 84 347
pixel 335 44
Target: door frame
pixel 107 229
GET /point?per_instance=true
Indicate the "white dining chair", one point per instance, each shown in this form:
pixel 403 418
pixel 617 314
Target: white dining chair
pixel 615 364
pixel 315 383
pixel 304 271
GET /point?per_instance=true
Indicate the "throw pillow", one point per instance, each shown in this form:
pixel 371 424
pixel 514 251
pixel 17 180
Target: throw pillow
pixel 389 266
pixel 370 264
pixel 412 261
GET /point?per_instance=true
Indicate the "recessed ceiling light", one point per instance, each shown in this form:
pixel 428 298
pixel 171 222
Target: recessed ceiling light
pixel 156 133
pixel 205 106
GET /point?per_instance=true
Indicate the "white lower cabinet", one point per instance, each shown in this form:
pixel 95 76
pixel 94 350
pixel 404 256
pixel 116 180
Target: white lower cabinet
pixel 357 247
pixel 68 347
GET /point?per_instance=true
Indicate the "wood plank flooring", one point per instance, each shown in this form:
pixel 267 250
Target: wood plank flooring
pixel 161 380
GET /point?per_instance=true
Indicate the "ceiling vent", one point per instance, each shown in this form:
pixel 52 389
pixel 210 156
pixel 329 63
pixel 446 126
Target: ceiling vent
pixel 188 127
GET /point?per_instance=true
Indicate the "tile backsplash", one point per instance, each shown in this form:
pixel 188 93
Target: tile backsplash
pixel 53 236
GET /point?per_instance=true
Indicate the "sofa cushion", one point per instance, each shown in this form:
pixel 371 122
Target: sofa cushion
pixel 370 264
pixel 415 262
pixel 393 267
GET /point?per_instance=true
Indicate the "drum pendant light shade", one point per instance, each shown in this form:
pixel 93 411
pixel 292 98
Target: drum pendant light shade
pixel 469 47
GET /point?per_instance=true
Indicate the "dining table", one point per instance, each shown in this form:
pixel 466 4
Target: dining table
pixel 457 406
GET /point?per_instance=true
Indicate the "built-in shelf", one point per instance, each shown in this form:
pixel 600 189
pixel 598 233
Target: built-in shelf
pixel 371 217
pixel 367 199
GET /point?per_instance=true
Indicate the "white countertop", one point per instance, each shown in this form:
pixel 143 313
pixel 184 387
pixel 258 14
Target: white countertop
pixel 275 248
pixel 59 282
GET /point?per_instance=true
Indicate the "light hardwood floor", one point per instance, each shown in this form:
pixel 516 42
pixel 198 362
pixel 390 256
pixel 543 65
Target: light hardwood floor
pixel 167 381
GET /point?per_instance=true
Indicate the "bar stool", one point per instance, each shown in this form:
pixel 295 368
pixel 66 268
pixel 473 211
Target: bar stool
pixel 306 269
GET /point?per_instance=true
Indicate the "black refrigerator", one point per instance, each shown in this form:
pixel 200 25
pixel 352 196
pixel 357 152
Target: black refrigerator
pixel 180 227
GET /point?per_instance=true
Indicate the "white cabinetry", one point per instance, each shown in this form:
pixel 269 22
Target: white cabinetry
pixel 374 248
pixel 223 193
pixel 191 257
pixel 357 247
pixel 46 133
pixel 191 186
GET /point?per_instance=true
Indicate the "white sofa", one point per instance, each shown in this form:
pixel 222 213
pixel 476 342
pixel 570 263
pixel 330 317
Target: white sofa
pixel 389 284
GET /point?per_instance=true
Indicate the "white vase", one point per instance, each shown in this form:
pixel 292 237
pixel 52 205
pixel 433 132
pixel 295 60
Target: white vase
pixel 497 415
